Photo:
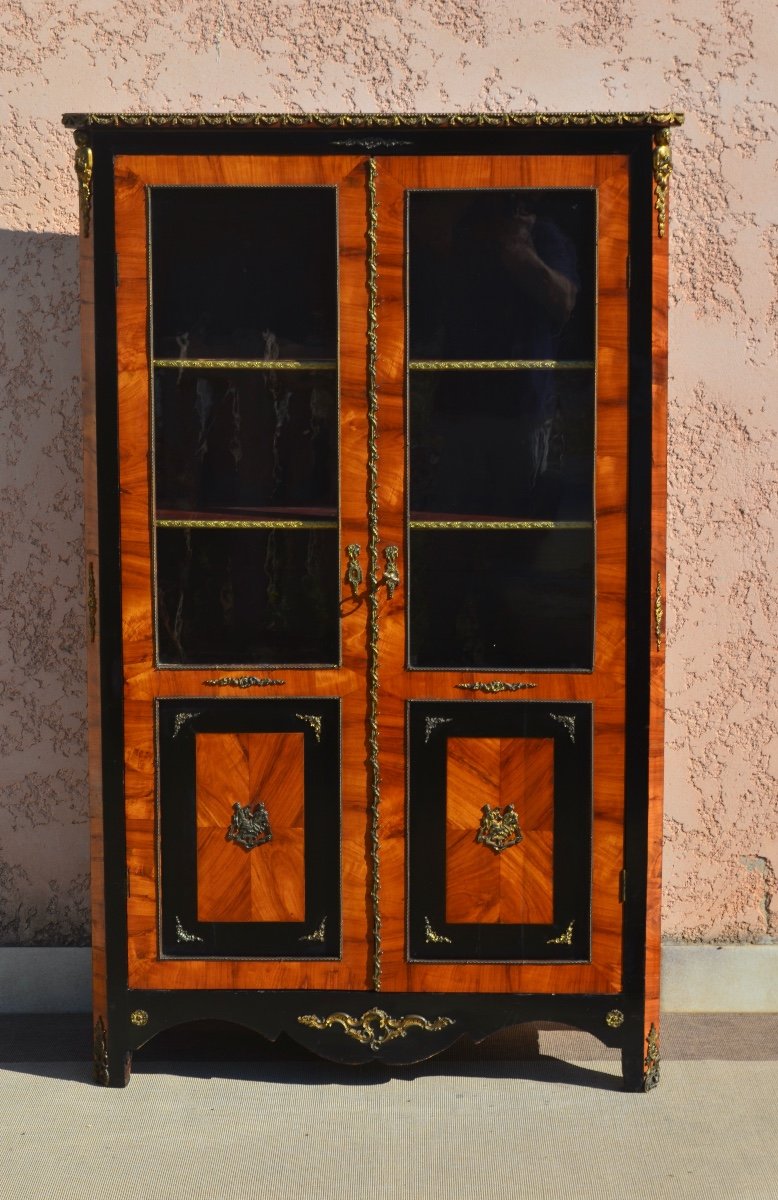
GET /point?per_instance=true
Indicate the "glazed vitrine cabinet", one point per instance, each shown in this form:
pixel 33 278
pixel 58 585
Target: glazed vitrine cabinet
pixel 375 537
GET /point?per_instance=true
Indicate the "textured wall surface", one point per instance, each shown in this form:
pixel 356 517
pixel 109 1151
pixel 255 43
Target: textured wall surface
pixel 716 61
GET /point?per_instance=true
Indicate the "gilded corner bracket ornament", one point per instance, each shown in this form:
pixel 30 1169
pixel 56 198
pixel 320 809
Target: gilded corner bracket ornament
pixel 84 166
pixel 663 169
pixel 651 1061
pixel 564 939
pixel 375 1027
pixel 433 938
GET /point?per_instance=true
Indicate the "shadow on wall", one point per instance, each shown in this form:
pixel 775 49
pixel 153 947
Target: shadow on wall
pixel 43 795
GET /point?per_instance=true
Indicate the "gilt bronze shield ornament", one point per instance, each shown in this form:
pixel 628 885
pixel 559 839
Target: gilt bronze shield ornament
pixel 250 826
pixel 499 830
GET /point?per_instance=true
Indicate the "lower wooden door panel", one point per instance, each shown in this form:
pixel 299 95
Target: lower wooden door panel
pixel 249 819
pixel 499 832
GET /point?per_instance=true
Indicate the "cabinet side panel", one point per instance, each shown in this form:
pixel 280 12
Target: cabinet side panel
pixel 657 633
pixel 91 585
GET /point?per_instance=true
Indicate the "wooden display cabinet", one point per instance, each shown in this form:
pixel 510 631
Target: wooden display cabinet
pixel 375 414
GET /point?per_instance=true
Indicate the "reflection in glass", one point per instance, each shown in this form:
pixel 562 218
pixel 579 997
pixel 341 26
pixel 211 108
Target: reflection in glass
pixel 503 599
pixel 244 596
pixel 483 445
pixel 242 272
pixel 246 441
pixel 502 274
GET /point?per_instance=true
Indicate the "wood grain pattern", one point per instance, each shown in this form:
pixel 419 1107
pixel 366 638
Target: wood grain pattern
pixel 92 558
pixel 514 886
pixel 659 298
pixel 266 883
pixel 606 685
pixel 133 174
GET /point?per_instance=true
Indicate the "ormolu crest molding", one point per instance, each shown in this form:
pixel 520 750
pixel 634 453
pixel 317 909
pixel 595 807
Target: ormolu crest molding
pixel 535 120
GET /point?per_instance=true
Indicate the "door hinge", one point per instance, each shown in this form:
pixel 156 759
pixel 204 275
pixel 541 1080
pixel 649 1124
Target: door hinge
pixel 622 887
pixel 128 883
pixel 116 270
pixel 629 272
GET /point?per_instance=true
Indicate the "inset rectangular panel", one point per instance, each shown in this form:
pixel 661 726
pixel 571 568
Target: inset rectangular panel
pixel 236 772
pixel 505 599
pixel 248 596
pixel 514 885
pixel 245 443
pixel 502 273
pixel 249 817
pixel 499 831
pixel 244 272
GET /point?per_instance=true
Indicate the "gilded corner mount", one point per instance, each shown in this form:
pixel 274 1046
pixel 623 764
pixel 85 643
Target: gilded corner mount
pixel 84 165
pixel 663 169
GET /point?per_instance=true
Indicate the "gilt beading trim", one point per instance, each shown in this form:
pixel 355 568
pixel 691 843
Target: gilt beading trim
pixel 462 120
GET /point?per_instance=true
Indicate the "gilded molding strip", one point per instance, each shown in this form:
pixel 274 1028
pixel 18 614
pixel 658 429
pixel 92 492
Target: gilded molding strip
pixel 663 169
pixel 244 364
pixel 244 681
pixel 463 120
pixel 659 611
pixel 248 523
pixel 100 1054
pixel 374 771
pixel 499 830
pixel 614 1019
pixel 318 934
pixel 180 721
pixel 432 723
pixel 375 1027
pixel 494 687
pixel 183 935
pixel 501 364
pixel 139 1017
pixel 91 603
pixel 507 525
pixel 564 939
pixel 84 165
pixel 437 939
pixel 314 721
pixel 567 722
pixel 651 1061
pixel 250 827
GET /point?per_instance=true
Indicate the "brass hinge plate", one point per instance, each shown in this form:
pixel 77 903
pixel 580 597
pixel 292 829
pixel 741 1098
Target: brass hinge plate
pixel 622 887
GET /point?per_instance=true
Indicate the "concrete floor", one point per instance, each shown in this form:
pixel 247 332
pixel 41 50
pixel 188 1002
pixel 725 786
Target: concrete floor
pixel 535 1113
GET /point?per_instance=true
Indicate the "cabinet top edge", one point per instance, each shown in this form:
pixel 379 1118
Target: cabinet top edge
pixel 80 122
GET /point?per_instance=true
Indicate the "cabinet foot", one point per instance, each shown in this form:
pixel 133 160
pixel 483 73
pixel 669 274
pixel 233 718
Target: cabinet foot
pixel 112 1065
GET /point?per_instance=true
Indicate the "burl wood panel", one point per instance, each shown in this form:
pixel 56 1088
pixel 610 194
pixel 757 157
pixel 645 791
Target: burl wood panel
pixel 142 682
pixel 267 882
pixel 605 686
pixel 515 885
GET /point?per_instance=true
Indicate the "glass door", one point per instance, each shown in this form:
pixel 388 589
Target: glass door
pixel 241 366
pixel 501 655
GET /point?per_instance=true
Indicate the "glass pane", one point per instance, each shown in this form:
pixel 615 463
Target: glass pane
pixel 240 272
pixel 502 274
pixel 251 442
pixel 507 444
pixel 247 596
pixel 521 599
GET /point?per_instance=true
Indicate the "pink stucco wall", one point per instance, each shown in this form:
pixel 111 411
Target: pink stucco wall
pixel 716 61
